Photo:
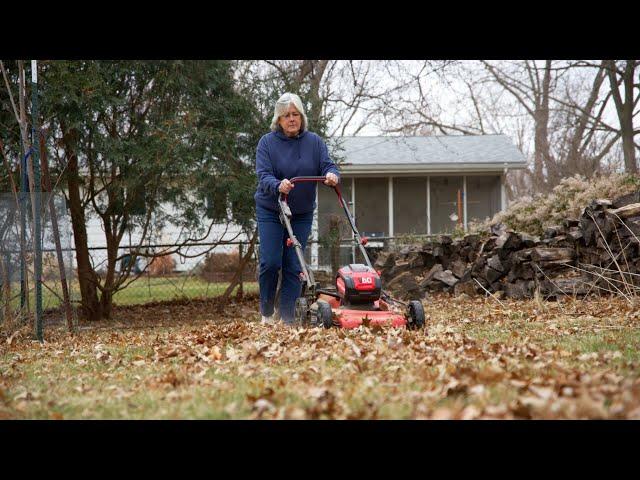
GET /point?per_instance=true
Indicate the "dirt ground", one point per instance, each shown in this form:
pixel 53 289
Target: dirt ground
pixel 475 358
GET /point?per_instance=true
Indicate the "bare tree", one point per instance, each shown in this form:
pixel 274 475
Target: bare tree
pixel 344 96
pixel 621 74
pixel 553 110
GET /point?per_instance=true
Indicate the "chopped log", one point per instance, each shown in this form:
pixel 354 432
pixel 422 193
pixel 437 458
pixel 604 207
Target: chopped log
pixel 561 241
pixel 625 200
pixel 429 276
pixel 509 241
pixel 575 233
pixel 404 286
pixel 446 277
pixel 555 255
pixel 519 290
pixel 492 275
pixel 458 268
pixel 632 210
pixel 588 229
pixel 495 263
pixel 385 260
pixel 600 204
pixel 428 260
pixel 465 253
pixel 529 241
pixel 478 265
pixel 415 260
pixel 488 245
pixel 569 223
pixel 570 285
pixel 553 231
pixel 399 267
pixel 522 255
pixel 630 228
pixel 520 271
pixel 472 240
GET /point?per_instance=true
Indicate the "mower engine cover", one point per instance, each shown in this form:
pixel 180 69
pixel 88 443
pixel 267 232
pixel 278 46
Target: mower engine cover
pixel 358 284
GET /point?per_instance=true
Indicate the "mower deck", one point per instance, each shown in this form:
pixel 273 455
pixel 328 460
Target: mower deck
pixel 353 317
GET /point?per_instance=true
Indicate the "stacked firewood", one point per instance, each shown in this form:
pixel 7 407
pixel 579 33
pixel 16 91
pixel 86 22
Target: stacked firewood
pixel 596 253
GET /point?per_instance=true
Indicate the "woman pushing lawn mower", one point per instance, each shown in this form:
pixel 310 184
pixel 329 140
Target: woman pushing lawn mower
pixel 290 150
pixel 292 157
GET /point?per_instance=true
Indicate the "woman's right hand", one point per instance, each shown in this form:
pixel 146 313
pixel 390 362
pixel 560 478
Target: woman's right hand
pixel 285 186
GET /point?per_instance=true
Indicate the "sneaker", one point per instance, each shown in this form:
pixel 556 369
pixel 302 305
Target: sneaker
pixel 270 320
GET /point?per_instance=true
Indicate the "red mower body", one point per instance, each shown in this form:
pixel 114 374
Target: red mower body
pixel 377 314
pixel 358 284
pixel 359 287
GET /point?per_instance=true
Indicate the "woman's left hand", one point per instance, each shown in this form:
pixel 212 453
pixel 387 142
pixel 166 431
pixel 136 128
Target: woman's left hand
pixel 332 179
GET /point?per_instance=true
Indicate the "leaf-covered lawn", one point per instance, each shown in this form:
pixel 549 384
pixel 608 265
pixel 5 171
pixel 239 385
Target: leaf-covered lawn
pixel 475 359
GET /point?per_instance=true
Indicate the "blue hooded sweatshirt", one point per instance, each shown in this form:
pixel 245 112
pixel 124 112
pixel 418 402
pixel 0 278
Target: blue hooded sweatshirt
pixel 279 157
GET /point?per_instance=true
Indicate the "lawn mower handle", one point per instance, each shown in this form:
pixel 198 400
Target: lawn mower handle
pixel 294 180
pixel 360 240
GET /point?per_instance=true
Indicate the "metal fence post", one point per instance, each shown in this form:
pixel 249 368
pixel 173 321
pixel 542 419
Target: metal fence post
pixel 24 187
pixel 37 267
pixel 240 255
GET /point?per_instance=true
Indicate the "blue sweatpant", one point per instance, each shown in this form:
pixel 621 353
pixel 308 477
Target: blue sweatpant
pixel 275 255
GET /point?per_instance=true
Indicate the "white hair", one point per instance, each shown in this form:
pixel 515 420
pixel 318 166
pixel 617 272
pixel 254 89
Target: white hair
pixel 282 105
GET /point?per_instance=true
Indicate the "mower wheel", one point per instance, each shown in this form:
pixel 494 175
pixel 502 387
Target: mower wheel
pixel 324 314
pixel 416 315
pixel 301 312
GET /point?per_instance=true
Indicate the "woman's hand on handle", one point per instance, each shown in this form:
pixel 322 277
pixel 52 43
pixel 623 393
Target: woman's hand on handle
pixel 331 179
pixel 285 186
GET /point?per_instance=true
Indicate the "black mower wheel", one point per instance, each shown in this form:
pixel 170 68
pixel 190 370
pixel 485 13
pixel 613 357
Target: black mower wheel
pixel 324 314
pixel 301 312
pixel 416 315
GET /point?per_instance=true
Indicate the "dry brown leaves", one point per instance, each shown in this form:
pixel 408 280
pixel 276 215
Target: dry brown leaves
pixel 474 360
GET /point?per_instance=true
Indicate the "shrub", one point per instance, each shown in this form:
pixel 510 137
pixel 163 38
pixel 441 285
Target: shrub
pixel 534 214
pixel 164 265
pixel 222 266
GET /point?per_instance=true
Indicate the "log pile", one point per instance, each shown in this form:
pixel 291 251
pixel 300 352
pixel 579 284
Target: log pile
pixel 593 254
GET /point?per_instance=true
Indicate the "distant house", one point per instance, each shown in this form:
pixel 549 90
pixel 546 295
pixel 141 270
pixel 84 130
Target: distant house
pixel 419 185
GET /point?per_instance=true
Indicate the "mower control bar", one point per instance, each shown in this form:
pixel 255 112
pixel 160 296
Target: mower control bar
pixel 361 242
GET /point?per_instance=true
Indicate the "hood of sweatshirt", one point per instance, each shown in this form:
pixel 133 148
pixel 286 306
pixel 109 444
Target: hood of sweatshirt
pixel 282 136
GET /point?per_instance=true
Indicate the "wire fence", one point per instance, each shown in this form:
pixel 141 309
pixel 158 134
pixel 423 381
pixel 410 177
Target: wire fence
pixel 192 271
pixel 206 273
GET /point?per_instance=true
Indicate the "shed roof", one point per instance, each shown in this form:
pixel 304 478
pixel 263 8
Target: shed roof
pixel 434 153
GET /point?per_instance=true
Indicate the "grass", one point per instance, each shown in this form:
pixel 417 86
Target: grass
pixel 143 290
pixel 474 359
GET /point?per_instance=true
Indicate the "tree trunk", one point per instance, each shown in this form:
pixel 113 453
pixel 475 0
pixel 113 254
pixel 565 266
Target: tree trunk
pixel 626 120
pixel 5 294
pixel 243 263
pixel 628 147
pixel 87 278
pixel 541 119
pixel 106 300
pixel 624 110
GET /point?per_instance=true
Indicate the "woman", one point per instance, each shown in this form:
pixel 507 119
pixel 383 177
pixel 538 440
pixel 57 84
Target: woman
pixel 290 150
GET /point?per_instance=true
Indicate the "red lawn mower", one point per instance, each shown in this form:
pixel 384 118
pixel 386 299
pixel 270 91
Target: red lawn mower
pixel 357 297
